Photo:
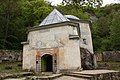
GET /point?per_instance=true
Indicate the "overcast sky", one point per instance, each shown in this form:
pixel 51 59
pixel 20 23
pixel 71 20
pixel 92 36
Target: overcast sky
pixel 54 2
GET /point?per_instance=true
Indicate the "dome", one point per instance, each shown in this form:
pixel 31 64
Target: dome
pixel 71 17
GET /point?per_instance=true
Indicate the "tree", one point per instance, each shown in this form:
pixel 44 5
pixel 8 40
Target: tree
pixel 106 29
pixel 115 31
pixel 90 3
pixel 34 11
pixel 73 10
pixel 16 16
pixel 9 10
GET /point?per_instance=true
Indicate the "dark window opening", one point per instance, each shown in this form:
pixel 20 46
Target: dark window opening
pixel 84 41
pixel 36 62
pixel 55 61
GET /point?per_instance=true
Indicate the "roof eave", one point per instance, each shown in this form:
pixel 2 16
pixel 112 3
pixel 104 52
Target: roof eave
pixel 53 25
pixel 81 20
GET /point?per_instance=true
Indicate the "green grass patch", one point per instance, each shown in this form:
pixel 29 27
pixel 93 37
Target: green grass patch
pixel 109 65
pixel 10 67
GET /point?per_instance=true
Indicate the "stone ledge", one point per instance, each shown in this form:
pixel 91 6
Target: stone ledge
pixel 51 77
pixel 81 76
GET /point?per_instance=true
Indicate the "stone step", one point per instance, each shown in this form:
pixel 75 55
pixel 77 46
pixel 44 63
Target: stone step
pixel 69 78
pixel 101 74
pixel 47 73
pixel 87 77
pixel 50 77
pixel 15 75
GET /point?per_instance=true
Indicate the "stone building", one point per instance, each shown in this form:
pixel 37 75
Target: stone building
pixel 55 44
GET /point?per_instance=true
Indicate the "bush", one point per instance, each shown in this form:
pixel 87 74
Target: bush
pixel 19 65
pixel 8 67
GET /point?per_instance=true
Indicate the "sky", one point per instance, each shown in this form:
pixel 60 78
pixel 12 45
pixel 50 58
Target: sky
pixel 54 2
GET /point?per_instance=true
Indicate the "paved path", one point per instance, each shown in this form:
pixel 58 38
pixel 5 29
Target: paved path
pixel 96 71
pixel 85 72
pixel 15 79
pixel 69 78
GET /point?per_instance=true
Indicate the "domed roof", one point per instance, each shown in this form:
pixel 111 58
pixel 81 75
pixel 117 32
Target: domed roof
pixel 71 17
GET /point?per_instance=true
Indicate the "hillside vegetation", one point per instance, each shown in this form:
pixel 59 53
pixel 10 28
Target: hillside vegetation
pixel 17 15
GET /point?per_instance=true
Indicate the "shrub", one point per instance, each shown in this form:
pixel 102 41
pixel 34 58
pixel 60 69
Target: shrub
pixel 8 67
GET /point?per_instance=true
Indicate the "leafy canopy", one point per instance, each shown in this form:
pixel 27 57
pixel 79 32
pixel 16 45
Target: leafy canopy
pixel 90 3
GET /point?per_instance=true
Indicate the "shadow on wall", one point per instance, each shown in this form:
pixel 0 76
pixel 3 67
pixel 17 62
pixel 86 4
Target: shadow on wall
pixel 87 59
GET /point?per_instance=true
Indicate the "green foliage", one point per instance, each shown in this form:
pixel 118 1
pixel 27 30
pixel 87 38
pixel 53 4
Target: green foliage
pixel 16 16
pixel 105 37
pixel 34 11
pixel 9 13
pixel 106 30
pixel 89 3
pixel 14 68
pixel 115 31
pixel 109 65
pixel 73 10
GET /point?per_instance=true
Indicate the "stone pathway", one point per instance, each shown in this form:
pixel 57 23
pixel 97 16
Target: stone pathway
pixel 15 79
pixel 83 75
pixel 69 78
pixel 101 74
pixel 94 72
pixel 6 75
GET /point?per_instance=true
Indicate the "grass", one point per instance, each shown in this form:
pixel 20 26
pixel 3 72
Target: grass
pixel 10 67
pixel 110 65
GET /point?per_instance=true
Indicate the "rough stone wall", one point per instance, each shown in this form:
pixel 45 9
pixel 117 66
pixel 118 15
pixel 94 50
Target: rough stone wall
pixel 72 58
pixel 29 58
pixel 10 55
pixel 51 38
pixel 99 56
pixel 86 39
pixel 108 76
pixel 108 56
pixel 87 59
pixel 86 34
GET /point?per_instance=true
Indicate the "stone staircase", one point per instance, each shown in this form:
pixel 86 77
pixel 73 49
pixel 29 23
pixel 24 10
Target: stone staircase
pixel 98 74
pixel 91 75
pixel 81 75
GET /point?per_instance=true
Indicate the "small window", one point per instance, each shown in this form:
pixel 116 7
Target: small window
pixel 84 41
pixel 36 62
pixel 55 61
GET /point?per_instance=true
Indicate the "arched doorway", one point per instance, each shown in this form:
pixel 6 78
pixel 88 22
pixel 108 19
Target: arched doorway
pixel 47 63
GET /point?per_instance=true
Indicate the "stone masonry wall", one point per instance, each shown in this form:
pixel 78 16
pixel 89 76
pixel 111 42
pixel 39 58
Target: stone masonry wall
pixel 108 56
pixel 52 38
pixel 10 55
pixel 86 38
